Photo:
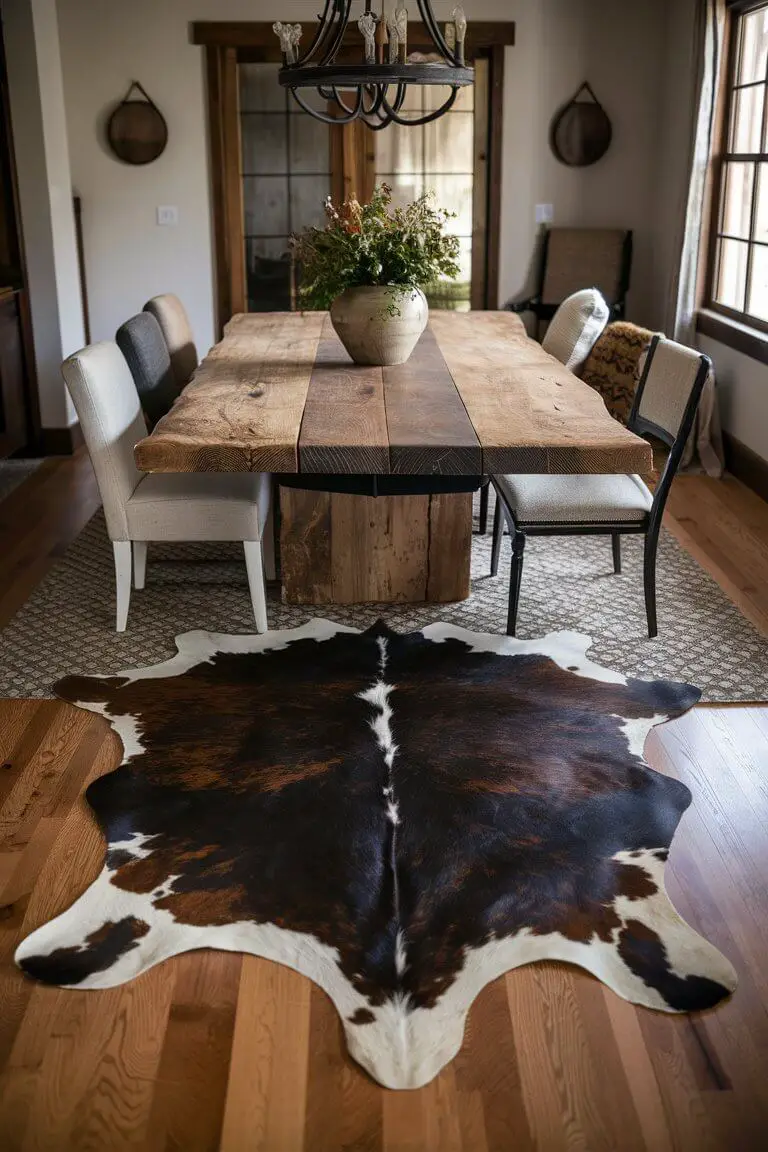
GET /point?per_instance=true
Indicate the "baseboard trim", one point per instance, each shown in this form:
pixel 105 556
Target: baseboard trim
pixel 60 441
pixel 746 465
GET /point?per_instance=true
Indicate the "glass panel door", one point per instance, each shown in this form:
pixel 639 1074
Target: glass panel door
pixel 286 176
pixel 441 156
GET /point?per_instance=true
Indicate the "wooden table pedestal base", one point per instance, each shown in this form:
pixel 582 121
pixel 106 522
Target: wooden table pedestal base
pixel 342 549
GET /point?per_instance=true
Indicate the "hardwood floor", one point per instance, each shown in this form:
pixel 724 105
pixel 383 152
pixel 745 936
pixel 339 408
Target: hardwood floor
pixel 218 1051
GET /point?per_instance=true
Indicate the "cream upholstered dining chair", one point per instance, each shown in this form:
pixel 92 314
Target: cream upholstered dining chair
pixel 141 507
pixel 664 407
pixel 172 317
pixel 576 327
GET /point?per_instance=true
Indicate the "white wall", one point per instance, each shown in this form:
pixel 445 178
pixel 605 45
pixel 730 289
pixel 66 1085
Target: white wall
pixel 45 190
pixel 742 385
pixel 559 44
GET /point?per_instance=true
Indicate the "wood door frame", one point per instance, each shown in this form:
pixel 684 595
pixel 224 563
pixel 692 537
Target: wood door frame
pixel 229 43
pixel 31 397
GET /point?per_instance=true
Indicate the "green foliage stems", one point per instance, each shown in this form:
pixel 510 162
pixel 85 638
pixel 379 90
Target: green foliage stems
pixel 375 244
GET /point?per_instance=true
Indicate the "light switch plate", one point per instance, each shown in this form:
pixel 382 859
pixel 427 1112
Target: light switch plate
pixel 167 214
pixel 544 213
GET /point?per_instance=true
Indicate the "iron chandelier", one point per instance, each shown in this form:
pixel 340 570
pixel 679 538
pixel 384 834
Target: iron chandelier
pixel 377 86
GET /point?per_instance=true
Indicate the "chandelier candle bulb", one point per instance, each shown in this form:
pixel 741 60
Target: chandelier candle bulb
pixel 393 41
pixel 460 26
pixel 401 26
pixel 367 26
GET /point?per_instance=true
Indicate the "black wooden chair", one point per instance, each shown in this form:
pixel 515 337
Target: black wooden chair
pixel 665 404
pixel 575 258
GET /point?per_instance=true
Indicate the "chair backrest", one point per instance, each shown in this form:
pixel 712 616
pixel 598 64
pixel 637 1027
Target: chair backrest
pixel 141 342
pixel 576 327
pixel 577 256
pixel 172 317
pixel 107 405
pixel 669 390
pixel 668 394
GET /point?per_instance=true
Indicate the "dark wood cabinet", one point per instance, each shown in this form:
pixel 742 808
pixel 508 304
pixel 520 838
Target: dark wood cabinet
pixel 13 414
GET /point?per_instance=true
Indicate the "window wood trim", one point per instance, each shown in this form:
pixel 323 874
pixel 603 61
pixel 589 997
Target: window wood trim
pixel 733 323
pixel 228 44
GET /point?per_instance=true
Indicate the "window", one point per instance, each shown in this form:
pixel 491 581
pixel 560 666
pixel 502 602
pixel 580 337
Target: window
pixel 272 165
pixel 740 264
pixel 286 174
pixel 438 157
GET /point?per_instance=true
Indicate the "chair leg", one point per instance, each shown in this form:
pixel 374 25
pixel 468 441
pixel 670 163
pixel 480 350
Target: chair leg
pixel 616 544
pixel 268 545
pixel 498 532
pixel 255 568
pixel 515 576
pixel 139 563
pixel 484 509
pixel 649 580
pixel 122 553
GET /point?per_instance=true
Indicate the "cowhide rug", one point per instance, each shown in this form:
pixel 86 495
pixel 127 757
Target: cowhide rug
pixel 401 818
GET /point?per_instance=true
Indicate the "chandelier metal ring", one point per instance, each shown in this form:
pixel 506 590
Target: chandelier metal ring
pixel 385 64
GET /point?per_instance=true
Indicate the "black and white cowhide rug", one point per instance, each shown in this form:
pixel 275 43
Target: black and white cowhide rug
pixel 401 818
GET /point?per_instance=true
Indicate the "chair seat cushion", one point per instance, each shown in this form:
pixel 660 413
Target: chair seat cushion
pixel 575 499
pixel 199 506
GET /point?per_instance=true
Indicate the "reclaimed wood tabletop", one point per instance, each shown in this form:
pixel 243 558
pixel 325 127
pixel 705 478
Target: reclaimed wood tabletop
pixel 477 396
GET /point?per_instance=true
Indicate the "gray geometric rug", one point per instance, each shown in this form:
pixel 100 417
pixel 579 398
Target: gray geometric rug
pixel 15 472
pixel 67 626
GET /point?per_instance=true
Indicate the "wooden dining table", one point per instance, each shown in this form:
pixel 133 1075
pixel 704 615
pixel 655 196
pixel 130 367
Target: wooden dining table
pixel 476 398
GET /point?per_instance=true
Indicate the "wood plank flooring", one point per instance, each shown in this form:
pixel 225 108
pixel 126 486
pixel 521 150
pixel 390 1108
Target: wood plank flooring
pixel 218 1051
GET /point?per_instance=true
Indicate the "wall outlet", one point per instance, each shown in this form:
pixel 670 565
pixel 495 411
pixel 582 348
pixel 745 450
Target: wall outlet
pixel 544 213
pixel 167 214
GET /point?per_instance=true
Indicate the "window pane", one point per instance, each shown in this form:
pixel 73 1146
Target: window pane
pixel 754 46
pixel 264 143
pixel 310 145
pixel 266 205
pixel 761 212
pixel 399 149
pixel 259 89
pixel 308 195
pixel 454 193
pixel 737 199
pixel 747 121
pixel 448 143
pixel 436 94
pixel 404 188
pixel 732 274
pixel 268 275
pixel 757 305
pixel 455 294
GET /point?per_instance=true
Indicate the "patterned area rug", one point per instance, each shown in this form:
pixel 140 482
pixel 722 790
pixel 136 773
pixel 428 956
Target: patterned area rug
pixel 68 623
pixel 477 803
pixel 15 472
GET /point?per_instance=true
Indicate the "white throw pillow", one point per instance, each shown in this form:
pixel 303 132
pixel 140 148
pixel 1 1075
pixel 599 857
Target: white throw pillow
pixel 576 328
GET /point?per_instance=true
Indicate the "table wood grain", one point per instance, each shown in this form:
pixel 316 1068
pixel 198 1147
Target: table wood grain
pixel 280 394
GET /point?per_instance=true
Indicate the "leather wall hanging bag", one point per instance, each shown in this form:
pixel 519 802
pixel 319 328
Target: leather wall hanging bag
pixel 581 131
pixel 137 131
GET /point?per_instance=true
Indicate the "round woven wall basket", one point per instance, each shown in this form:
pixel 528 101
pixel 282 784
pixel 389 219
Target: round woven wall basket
pixel 581 132
pixel 137 131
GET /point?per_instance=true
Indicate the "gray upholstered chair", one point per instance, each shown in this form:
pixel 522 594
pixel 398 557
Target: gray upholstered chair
pixel 172 317
pixel 141 343
pixel 665 404
pixel 141 507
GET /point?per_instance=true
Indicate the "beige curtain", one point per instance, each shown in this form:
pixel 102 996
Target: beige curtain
pixel 705 448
